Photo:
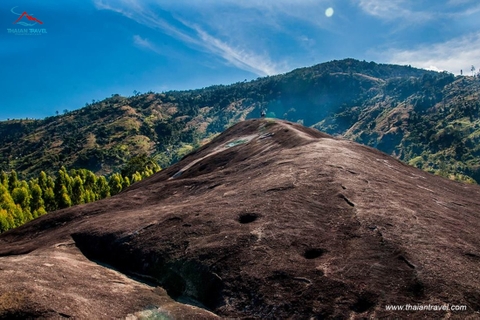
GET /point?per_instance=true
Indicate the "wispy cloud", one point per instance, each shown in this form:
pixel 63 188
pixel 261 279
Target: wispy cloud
pixel 134 10
pixel 193 36
pixel 242 59
pixel 452 56
pixel 145 43
pixel 393 10
pixel 311 11
pixel 382 9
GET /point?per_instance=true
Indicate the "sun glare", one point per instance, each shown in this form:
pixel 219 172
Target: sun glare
pixel 329 12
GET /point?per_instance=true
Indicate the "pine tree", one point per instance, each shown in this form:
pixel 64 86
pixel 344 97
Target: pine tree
pixel 21 202
pixel 12 180
pixel 115 183
pixel 5 224
pixel 90 187
pixel 8 207
pixel 37 205
pixel 90 181
pixel 4 179
pixel 63 199
pixel 147 173
pixel 103 190
pixel 136 177
pixel 125 183
pixel 89 196
pixel 18 216
pixel 49 199
pixel 63 189
pixel 21 197
pixel 78 192
pixel 140 164
pixel 42 180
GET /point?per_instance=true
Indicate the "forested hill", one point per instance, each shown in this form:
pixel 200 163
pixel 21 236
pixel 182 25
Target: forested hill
pixel 423 117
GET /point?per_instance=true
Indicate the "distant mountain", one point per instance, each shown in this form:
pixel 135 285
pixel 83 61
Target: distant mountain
pixel 425 118
pixel 270 220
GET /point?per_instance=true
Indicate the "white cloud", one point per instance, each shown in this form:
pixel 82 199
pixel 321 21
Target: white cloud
pixel 452 56
pixel 393 10
pixel 418 12
pixel 145 43
pixel 193 36
pixel 311 11
pixel 382 9
pixel 134 10
pixel 242 59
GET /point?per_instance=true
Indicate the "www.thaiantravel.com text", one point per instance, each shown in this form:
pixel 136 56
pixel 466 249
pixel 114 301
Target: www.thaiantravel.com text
pixel 426 307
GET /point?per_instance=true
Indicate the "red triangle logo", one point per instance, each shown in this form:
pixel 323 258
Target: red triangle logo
pixel 30 18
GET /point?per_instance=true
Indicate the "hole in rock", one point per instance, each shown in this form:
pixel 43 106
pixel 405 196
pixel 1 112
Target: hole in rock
pixel 363 304
pixel 313 253
pixel 417 288
pixel 247 218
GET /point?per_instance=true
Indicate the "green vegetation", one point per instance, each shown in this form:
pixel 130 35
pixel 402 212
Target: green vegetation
pixel 22 201
pixel 402 111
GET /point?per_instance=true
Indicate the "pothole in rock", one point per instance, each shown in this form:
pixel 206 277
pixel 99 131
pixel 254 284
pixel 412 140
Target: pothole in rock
pixel 313 253
pixel 364 303
pixel 245 218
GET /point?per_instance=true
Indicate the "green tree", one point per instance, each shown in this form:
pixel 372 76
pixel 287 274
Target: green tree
pixel 49 199
pixel 90 181
pixel 18 216
pixel 4 179
pixel 37 205
pixel 63 189
pixel 7 204
pixel 103 189
pixel 43 181
pixel 115 183
pixel 5 224
pixel 63 199
pixel 139 164
pixel 125 183
pixel 136 177
pixel 78 192
pixel 12 180
pixel 90 186
pixel 21 196
pixel 89 196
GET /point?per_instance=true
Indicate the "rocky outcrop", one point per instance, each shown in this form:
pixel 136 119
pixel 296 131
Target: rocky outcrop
pixel 269 220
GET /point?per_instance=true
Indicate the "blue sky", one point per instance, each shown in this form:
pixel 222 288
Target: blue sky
pixel 90 49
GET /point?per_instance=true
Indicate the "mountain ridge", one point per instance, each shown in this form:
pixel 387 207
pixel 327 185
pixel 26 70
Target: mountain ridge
pixel 425 118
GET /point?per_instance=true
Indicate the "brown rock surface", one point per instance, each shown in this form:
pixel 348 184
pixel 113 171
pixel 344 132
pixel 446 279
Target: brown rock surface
pixel 269 220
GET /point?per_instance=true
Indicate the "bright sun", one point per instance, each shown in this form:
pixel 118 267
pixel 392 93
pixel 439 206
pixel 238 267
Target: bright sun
pixel 329 12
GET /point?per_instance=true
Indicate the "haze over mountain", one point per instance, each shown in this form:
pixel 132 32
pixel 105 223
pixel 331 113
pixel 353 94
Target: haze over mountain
pixel 269 220
pixel 426 118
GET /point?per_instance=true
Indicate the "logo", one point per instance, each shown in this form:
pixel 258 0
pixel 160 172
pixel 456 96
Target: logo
pixel 28 16
pixel 29 22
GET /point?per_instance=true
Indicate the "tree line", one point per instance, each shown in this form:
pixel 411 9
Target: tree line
pixel 22 200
